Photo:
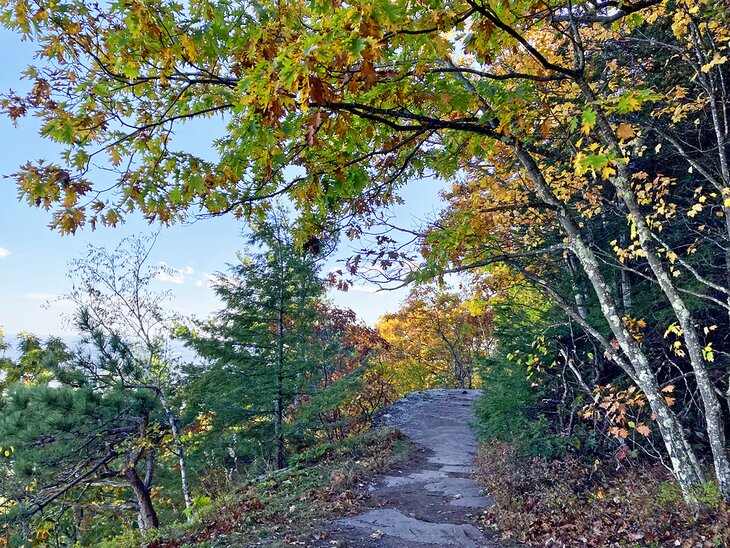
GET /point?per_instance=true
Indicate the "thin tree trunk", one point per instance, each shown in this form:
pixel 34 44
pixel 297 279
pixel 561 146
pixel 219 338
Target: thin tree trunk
pixel 279 460
pixel 684 462
pixel 714 421
pixel 625 283
pixel 175 430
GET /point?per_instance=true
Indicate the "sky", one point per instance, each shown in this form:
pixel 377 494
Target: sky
pixel 34 259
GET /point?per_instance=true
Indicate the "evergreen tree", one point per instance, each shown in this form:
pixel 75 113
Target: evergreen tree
pixel 31 365
pixel 256 347
pixel 85 440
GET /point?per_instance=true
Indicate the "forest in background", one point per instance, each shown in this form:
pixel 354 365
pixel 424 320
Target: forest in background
pixel 120 432
pixel 589 216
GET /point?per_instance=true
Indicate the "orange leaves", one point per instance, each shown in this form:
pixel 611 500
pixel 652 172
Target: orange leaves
pixel 624 131
pixel 623 410
pixel 434 340
pixel 546 127
pixel 635 327
pixel 667 391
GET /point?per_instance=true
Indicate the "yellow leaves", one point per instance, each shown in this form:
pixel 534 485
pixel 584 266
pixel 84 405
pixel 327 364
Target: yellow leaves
pixel 694 210
pixel 680 24
pixel 607 172
pixel 707 353
pixel 189 47
pixel 675 346
pixel 635 327
pixel 68 220
pixel 673 329
pixel 115 156
pixel 40 15
pixel 715 61
pixel 73 29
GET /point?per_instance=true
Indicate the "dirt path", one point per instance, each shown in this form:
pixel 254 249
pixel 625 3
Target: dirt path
pixel 435 501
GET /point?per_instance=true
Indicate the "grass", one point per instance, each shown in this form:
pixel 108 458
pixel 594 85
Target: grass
pixel 293 506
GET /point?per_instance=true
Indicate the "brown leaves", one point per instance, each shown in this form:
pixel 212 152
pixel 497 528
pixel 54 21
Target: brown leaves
pixel 571 503
pixel 368 74
pixel 624 411
pixel 318 92
pixel 624 131
pixel 313 123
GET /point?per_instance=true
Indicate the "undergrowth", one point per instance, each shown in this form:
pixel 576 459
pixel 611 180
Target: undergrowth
pixel 289 507
pixel 568 502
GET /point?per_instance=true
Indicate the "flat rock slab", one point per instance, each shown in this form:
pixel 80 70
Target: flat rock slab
pixel 393 523
pixel 416 477
pixel 436 501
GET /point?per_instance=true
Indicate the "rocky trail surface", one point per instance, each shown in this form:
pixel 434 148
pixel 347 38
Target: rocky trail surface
pixel 434 501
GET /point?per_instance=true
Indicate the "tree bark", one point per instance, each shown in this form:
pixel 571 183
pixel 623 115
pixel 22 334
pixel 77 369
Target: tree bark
pixel 279 457
pixel 684 462
pixel 147 517
pixel 174 428
pixel 714 421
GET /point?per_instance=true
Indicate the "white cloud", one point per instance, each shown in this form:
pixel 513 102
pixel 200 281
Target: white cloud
pixel 4 252
pixel 206 281
pixel 363 288
pixel 172 275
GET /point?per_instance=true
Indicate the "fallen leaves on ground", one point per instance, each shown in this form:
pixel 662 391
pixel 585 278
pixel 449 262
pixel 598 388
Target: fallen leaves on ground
pixel 569 502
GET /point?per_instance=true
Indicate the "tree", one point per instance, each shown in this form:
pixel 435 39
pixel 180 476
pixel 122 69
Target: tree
pixel 72 440
pixel 258 348
pixel 352 386
pixel 435 339
pixel 559 105
pixel 113 289
pixel 33 363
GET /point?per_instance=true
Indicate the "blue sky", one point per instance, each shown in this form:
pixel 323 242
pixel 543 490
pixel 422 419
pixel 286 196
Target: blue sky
pixel 33 259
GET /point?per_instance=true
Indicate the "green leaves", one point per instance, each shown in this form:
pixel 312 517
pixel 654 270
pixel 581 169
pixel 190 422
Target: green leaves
pixel 356 46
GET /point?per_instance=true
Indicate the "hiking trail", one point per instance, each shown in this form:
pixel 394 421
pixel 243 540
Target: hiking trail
pixel 435 500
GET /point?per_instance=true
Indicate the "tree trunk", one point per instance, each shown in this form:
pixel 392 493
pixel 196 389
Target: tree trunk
pixel 172 421
pixel 714 422
pixel 147 517
pixel 684 462
pixel 626 297
pixel 279 460
pixel 180 451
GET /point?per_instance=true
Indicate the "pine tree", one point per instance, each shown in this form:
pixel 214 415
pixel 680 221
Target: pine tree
pixel 86 437
pixel 256 347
